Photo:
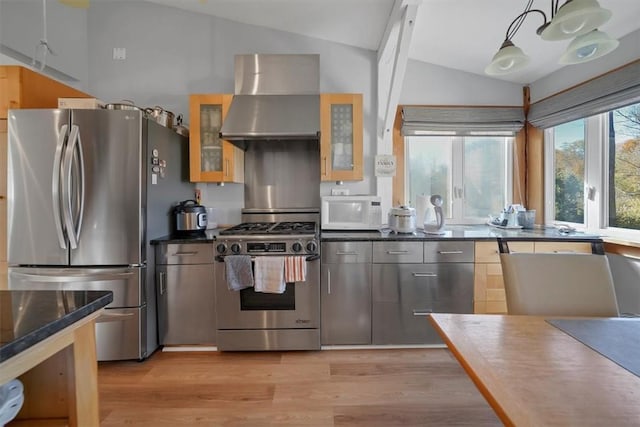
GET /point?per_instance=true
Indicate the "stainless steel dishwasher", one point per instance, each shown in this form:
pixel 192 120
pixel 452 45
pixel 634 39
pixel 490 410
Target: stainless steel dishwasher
pixel 186 293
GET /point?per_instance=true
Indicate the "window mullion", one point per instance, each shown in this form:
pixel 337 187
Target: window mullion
pixel 457 163
pixel 595 172
pixel 549 177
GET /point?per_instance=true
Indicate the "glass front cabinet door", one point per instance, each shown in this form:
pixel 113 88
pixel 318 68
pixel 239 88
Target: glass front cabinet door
pixel 210 158
pixel 341 137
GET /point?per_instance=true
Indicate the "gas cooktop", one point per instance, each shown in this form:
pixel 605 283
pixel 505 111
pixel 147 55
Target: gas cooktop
pixel 254 228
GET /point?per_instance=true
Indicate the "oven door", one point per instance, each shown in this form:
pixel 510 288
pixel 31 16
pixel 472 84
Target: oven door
pixel 297 308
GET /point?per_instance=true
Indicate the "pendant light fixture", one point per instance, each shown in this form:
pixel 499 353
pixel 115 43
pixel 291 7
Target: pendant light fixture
pixel 576 18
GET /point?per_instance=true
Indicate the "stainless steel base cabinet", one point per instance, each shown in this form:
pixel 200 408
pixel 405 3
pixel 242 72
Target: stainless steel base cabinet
pixel 346 293
pixel 186 294
pixel 405 292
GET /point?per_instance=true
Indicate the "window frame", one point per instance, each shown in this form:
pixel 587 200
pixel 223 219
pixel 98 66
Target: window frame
pixel 596 179
pixel 457 175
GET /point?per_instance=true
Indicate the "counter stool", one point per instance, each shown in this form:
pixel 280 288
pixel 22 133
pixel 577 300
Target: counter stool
pixel 557 284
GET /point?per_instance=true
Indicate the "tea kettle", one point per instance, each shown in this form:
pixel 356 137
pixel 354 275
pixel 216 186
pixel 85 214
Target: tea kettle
pixel 436 227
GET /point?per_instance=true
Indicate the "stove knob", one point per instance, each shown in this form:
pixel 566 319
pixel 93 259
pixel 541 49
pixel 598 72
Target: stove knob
pixel 312 247
pixel 235 248
pixel 221 248
pixel 296 247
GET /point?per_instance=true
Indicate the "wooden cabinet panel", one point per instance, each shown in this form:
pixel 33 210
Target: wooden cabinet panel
pixel 488 251
pixel 210 158
pixel 23 88
pixel 341 137
pixel 563 247
pixel 488 291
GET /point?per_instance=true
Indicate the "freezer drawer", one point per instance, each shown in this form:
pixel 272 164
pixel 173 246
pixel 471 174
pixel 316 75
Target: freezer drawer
pixel 121 334
pixel 125 282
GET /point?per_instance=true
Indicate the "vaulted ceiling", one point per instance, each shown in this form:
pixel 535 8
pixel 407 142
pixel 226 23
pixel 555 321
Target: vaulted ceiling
pixel 460 34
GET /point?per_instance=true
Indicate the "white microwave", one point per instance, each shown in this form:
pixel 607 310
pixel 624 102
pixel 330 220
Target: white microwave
pixel 351 213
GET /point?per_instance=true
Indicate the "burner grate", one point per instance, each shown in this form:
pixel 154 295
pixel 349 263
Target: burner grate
pixel 287 227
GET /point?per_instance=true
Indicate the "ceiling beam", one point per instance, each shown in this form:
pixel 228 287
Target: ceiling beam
pixel 393 54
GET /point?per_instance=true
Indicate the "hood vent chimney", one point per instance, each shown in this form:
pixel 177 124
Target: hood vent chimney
pixel 276 97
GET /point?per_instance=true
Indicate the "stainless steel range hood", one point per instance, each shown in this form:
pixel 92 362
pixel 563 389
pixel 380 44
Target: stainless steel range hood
pixel 276 97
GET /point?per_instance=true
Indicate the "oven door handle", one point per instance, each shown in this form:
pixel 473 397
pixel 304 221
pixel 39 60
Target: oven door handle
pixel 313 258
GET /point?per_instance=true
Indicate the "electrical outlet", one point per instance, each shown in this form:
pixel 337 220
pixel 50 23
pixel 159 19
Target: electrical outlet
pixel 339 191
pixel 119 53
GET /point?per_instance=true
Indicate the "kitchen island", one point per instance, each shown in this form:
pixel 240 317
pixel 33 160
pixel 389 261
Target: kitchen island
pixel 47 340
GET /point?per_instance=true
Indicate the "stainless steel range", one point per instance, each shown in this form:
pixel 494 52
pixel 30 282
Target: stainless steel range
pixel 275 118
pixel 250 320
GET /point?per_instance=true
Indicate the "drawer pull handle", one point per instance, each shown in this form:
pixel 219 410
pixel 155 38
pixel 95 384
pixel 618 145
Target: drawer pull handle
pixel 422 312
pixel 449 252
pixel 564 252
pixel 346 253
pixel 397 252
pixel 424 275
pixel 185 253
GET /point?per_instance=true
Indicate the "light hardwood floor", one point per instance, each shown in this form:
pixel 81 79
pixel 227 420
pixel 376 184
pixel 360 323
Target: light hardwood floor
pixel 400 387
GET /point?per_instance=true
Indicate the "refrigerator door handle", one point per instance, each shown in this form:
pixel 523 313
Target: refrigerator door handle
pixel 65 277
pixel 81 185
pixel 67 187
pixel 55 187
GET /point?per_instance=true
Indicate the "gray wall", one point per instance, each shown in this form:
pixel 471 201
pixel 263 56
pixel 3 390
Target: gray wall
pixel 172 53
pixel 21 29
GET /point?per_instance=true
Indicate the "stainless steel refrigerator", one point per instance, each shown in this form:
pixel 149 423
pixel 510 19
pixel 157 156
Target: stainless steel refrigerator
pixel 87 190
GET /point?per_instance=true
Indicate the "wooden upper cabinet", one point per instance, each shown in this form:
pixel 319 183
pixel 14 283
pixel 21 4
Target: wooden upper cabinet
pixel 23 88
pixel 341 137
pixel 210 158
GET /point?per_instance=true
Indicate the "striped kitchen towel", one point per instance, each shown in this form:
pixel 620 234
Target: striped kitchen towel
pixel 295 269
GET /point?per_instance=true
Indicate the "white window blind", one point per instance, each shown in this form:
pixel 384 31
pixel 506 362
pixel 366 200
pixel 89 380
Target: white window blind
pixel 489 121
pixel 613 90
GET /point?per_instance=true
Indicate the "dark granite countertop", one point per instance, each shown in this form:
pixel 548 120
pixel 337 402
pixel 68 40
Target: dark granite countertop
pixel 208 237
pixel 460 232
pixel 28 317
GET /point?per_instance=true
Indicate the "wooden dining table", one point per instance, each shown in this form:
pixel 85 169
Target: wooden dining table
pixel 534 374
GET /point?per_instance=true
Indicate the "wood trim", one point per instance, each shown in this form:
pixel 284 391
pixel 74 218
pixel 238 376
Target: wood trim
pixel 617 247
pixel 535 171
pixel 398 192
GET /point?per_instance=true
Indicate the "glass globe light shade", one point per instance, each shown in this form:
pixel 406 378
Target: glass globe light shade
pixel 588 47
pixel 574 18
pixel 507 60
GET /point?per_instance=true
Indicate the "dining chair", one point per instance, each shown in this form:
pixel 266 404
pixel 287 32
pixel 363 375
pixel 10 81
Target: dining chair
pixel 558 284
